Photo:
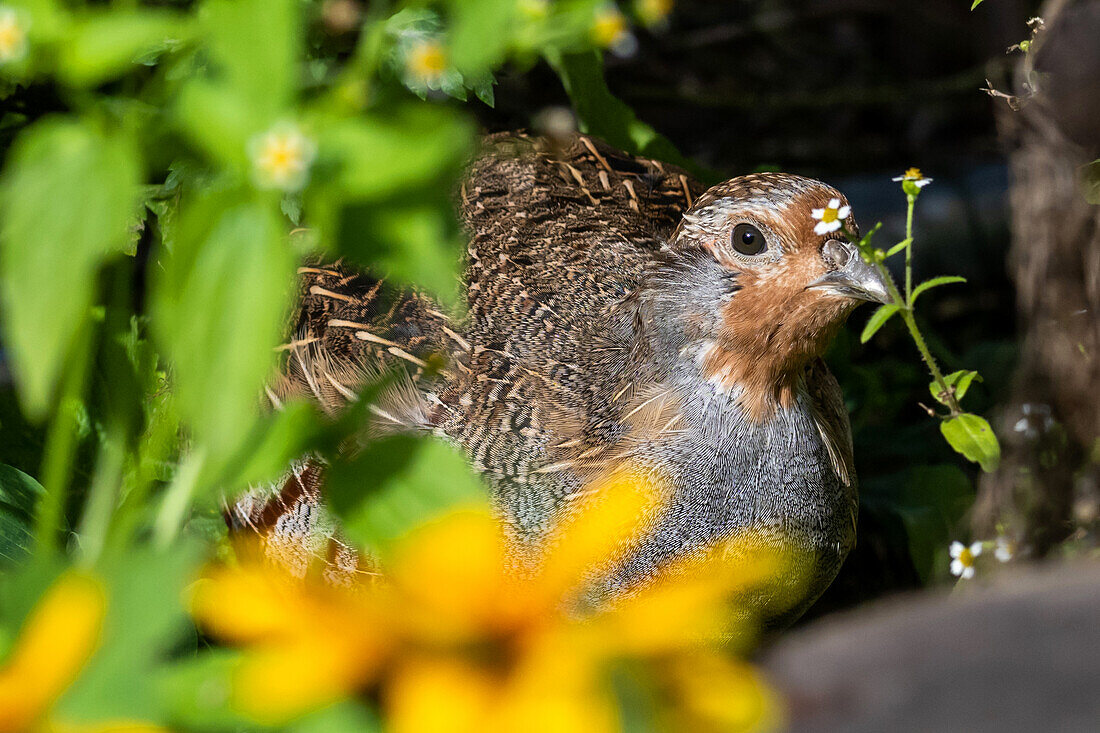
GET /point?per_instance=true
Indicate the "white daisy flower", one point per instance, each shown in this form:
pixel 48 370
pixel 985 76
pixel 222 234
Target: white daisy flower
pixel 1005 549
pixel 831 217
pixel 915 176
pixel 13 36
pixel 962 563
pixel 425 63
pixel 281 157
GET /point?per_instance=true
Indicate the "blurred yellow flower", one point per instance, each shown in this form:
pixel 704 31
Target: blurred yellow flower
pixel 56 641
pixel 611 30
pixel 469 633
pixel 425 62
pixel 281 157
pixel 13 36
pixel 653 12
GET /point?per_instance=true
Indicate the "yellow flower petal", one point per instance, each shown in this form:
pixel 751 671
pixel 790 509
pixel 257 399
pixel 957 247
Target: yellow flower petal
pixel 597 530
pixel 713 693
pixel 57 640
pixel 431 695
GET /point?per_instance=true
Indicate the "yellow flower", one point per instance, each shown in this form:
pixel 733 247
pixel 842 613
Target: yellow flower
pixel 470 633
pixel 281 157
pixel 56 641
pixel 13 36
pixel 914 176
pixel 653 12
pixel 425 62
pixel 610 30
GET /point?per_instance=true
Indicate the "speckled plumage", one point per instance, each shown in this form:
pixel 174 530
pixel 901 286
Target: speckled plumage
pixel 608 321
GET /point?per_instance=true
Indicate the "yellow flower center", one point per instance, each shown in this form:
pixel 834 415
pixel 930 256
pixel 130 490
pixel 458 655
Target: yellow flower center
pixel 829 216
pixel 12 37
pixel 966 557
pixel 427 61
pixel 914 174
pixel 653 11
pixel 281 158
pixel 608 27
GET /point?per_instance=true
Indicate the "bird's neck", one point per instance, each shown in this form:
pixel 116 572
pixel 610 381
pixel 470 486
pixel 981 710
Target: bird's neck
pixel 746 340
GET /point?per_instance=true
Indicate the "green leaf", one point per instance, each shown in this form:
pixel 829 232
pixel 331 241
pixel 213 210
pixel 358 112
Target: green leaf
pixel 343 717
pixel 18 496
pixel 972 436
pixel 145 620
pixel 976 3
pixel 107 44
pixel 396 483
pixel 218 307
pixel 480 33
pixel 274 441
pixel 66 200
pixel 959 380
pixel 255 45
pixel 877 320
pixel 935 283
pixel 898 247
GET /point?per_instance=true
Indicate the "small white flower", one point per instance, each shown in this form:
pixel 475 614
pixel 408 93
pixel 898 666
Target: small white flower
pixel 1005 549
pixel 831 217
pixel 610 29
pixel 914 175
pixel 962 563
pixel 281 157
pixel 425 63
pixel 13 36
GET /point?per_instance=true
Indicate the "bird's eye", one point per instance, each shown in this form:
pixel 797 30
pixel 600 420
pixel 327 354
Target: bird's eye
pixel 748 240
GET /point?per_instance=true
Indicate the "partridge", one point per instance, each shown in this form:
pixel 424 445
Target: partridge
pixel 616 311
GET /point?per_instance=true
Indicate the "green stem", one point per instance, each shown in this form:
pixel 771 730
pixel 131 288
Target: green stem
pixel 909 250
pixel 102 496
pixel 177 500
pixel 60 447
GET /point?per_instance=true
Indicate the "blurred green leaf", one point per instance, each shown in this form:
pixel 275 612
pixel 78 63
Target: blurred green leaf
pixel 959 380
pixel 343 717
pixel 217 120
pixel 972 436
pixel 410 240
pixel 66 199
pixel 196 693
pixel 480 33
pixel 275 440
pixel 218 307
pixel 877 320
pixel 255 47
pixel 396 483
pixel 975 4
pixel 145 620
pixel 18 495
pixel 108 43
pixel 934 283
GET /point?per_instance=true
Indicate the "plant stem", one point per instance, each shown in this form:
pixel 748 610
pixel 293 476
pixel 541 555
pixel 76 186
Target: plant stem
pixel 909 249
pixel 61 444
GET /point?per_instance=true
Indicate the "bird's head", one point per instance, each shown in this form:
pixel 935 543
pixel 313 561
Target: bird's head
pixel 791 278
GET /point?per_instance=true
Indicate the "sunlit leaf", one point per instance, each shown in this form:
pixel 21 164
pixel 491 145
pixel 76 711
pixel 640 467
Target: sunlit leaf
pixel 959 380
pixel 877 320
pixel 480 33
pixel 975 4
pixel 66 200
pixel 972 436
pixel 396 483
pixel 935 283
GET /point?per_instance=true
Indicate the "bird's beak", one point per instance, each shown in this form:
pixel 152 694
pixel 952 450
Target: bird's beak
pixel 855 279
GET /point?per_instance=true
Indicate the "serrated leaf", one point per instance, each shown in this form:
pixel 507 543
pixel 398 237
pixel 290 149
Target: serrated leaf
pixel 66 199
pixel 971 436
pixel 396 483
pixel 935 283
pixel 877 320
pixel 960 380
pixel 898 247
